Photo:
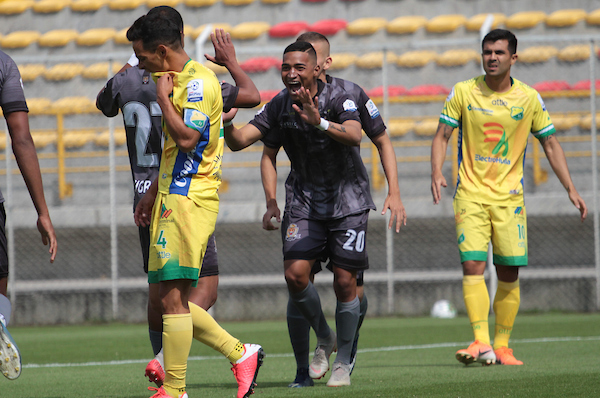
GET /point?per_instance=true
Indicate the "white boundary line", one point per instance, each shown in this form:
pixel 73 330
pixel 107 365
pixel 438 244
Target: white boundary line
pixel 288 355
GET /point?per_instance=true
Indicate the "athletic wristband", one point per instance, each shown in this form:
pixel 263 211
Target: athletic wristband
pixel 133 60
pixel 227 124
pixel 323 126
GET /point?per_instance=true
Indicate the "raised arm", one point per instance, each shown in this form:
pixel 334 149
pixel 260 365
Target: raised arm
pixel 238 139
pixel 438 156
pixel 558 162
pixel 390 168
pixel 268 174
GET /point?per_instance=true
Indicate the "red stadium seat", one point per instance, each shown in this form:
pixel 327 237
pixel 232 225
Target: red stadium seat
pixel 552 85
pixel 259 64
pixel 428 89
pixel 393 91
pixel 288 29
pixel 584 85
pixel 267 95
pixel 328 27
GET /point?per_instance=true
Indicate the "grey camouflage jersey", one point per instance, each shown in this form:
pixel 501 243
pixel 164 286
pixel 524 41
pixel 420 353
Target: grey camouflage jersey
pixel 328 179
pixel 12 98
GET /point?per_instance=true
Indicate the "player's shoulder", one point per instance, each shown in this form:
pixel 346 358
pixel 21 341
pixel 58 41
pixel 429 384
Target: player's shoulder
pixel 468 84
pixel 525 88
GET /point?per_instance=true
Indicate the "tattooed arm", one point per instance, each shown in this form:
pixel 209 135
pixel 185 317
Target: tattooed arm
pixel 438 155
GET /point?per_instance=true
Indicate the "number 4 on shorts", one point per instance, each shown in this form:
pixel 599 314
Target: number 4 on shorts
pixel 161 240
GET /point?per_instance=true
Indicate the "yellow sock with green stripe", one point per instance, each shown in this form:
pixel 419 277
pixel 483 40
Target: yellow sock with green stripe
pixel 177 341
pixel 477 303
pixel 209 332
pixel 506 307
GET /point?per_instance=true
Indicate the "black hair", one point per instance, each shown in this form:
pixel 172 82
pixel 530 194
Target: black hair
pixel 155 29
pixel 169 13
pixel 312 36
pixel 501 34
pixel 302 46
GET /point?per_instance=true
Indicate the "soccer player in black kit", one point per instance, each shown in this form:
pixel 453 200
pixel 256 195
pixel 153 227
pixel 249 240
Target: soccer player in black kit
pixel 328 197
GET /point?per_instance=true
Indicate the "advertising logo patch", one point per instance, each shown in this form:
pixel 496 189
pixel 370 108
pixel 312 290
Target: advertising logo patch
pixel 195 90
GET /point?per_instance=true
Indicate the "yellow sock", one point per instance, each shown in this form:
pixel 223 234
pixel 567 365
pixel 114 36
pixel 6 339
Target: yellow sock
pixel 177 341
pixel 506 306
pixel 477 302
pixel 209 332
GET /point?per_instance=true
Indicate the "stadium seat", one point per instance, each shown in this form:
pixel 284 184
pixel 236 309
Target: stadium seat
pixel 552 85
pixel 64 71
pixel 342 60
pixel 20 39
pixel 537 54
pixel 71 105
pixel 586 121
pixel 593 18
pixel 103 138
pixel 100 70
pixel 96 37
pixel 474 23
pixel 78 138
pixel 249 30
pixel 3 141
pixel 574 53
pixel 288 29
pixel 88 5
pixel 57 38
pixel 155 3
pixel 121 37
pixel 399 127
pixel 50 6
pixel 564 122
pixel 365 26
pixel 199 3
pixel 237 2
pixel 198 31
pixel 416 59
pixel 218 69
pixel 564 18
pixel 406 24
pixel 457 57
pixel 268 95
pixel 314 1
pixel 275 1
pixel 15 6
pixel 42 139
pixel 374 60
pixel 30 72
pixel 121 5
pixel 445 23
pixel 259 64
pixel 428 89
pixel 525 19
pixel 427 127
pixel 584 85
pixel 328 27
pixel 39 106
pixel 393 91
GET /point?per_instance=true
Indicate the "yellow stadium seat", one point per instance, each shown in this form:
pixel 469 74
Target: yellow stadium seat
pixel 20 39
pixel 64 71
pixel 537 54
pixel 121 37
pixel 103 138
pixel 457 57
pixel 39 106
pixel 525 19
pixel 100 70
pixel 365 26
pixel 474 23
pixel 57 38
pixel 275 1
pixel 593 18
pixel 400 127
pixel 249 30
pixel 78 138
pixel 88 5
pixel 445 23
pixel 2 141
pixel 374 60
pixel 30 72
pixel 342 60
pixel 199 3
pixel 70 105
pixel 218 69
pixel 586 121
pixel 96 37
pixel 198 31
pixel 15 6
pixel 564 122
pixel 121 5
pixel 563 18
pixel 406 24
pixel 574 53
pixel 237 2
pixel 42 139
pixel 416 59
pixel 50 6
pixel 170 3
pixel 427 127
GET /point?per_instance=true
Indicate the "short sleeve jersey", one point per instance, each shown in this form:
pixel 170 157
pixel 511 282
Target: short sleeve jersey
pixel 12 98
pixel 370 118
pixel 493 132
pixel 197 174
pixel 328 179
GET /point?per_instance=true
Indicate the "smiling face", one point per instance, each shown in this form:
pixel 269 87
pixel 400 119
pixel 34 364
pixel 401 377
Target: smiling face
pixel 299 69
pixel 496 58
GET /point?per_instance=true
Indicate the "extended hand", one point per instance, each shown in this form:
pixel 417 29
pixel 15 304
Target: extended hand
pixel 310 108
pixel 224 49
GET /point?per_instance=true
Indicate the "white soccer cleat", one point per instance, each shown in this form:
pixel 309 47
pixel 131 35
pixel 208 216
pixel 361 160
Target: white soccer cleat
pixel 340 375
pixel 320 362
pixel 10 358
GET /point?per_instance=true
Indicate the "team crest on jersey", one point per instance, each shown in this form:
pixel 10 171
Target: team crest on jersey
pixel 292 233
pixel 349 106
pixel 372 108
pixel 195 119
pixel 145 79
pixel 195 90
pixel 516 112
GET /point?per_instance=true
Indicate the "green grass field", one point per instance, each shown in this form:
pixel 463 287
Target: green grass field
pixel 398 357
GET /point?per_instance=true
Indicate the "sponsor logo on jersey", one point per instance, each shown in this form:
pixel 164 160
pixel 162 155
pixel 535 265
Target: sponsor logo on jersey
pixel 349 106
pixel 514 191
pixel 292 233
pixel 519 211
pixel 141 186
pixel 164 212
pixel 496 134
pixel 195 90
pixel 372 108
pixel 499 102
pixel 450 96
pixel 261 109
pixel 461 236
pixel 482 110
pixel 516 112
pixel 181 179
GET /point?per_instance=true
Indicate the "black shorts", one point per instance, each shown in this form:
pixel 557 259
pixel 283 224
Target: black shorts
pixel 318 267
pixel 343 241
pixel 210 264
pixel 3 244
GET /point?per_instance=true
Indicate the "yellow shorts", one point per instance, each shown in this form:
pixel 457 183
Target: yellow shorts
pixel 505 226
pixel 179 233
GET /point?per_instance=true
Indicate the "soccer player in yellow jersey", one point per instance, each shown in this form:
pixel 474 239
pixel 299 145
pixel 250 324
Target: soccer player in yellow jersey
pixel 494 114
pixel 181 206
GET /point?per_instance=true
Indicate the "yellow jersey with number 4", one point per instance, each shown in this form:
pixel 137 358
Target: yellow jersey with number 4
pixel 197 174
pixel 493 132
